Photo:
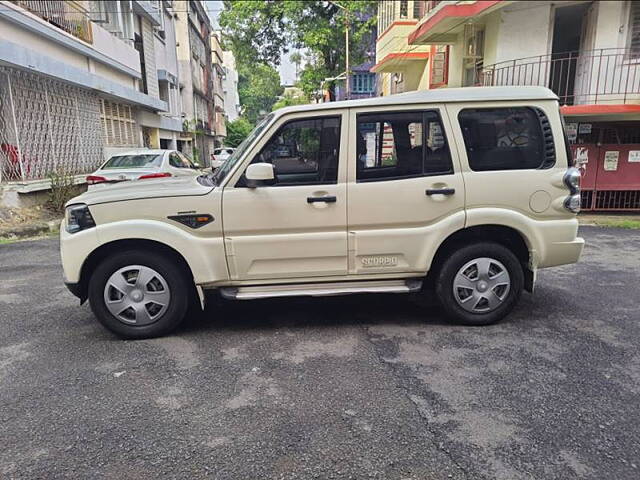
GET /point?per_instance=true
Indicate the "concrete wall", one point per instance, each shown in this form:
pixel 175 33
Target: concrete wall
pixel 104 43
pixel 612 27
pixel 230 87
pixel 184 63
pixel 524 30
pixel 115 48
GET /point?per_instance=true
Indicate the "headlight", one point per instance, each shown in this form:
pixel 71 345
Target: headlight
pixel 572 180
pixel 78 218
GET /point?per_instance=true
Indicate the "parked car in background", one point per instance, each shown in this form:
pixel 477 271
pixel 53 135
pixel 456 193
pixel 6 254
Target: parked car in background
pixel 463 194
pixel 141 165
pixel 220 155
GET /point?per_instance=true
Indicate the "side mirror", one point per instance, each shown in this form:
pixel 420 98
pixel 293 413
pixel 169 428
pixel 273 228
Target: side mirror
pixel 260 175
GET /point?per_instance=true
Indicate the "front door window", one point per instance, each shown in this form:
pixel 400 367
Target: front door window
pixel 304 152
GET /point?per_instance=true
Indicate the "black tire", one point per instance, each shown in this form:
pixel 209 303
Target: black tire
pixel 178 280
pixel 444 282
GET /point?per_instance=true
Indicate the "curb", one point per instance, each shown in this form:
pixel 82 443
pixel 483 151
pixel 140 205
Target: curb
pixel 29 230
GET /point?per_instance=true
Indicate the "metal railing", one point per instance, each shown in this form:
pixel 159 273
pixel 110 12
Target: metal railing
pixel 610 75
pixel 67 15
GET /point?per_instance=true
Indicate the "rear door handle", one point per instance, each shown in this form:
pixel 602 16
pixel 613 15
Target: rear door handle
pixel 440 191
pixel 327 199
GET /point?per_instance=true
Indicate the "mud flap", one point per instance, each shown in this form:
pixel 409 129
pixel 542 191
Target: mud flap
pixel 529 279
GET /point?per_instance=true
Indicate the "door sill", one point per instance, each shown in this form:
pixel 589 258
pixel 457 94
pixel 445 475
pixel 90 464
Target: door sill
pixel 321 289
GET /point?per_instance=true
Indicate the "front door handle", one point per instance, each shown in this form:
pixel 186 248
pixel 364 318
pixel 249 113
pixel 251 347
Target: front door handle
pixel 327 199
pixel 440 191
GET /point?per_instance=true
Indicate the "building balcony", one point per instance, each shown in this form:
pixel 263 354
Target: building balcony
pixel 68 15
pixel 396 21
pixel 597 77
pixel 444 20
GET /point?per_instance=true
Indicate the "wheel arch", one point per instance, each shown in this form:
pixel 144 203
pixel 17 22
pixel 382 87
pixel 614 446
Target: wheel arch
pixel 104 250
pixel 509 237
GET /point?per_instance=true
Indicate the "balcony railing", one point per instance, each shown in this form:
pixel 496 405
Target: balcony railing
pixel 610 75
pixel 67 15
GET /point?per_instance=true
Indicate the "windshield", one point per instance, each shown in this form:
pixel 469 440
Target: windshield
pixel 230 162
pixel 134 161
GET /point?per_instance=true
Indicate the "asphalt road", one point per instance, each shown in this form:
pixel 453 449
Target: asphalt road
pixel 345 387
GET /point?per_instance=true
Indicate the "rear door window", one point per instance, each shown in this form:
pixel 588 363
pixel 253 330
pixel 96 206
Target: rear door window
pixel 393 146
pixel 507 139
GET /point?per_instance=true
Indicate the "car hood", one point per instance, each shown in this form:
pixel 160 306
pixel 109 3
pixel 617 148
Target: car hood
pixel 157 188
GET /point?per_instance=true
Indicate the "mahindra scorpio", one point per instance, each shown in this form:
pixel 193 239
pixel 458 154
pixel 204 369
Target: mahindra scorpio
pixel 459 193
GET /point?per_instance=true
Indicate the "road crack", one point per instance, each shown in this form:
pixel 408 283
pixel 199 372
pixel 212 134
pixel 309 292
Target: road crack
pixel 401 379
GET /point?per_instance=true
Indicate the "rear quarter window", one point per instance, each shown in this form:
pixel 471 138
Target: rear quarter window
pixel 518 138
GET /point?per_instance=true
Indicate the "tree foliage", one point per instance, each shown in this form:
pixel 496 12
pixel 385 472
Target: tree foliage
pixel 263 31
pixel 259 88
pixel 237 131
pixel 289 99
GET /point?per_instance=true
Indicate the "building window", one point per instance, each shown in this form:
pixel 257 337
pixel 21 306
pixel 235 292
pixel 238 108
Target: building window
pixel 506 139
pixel 119 126
pixel 634 30
pixel 391 146
pixel 403 8
pixel 419 8
pixel 363 82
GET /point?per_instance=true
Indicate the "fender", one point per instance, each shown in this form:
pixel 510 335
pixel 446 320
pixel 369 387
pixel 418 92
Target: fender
pixel 203 254
pixel 539 235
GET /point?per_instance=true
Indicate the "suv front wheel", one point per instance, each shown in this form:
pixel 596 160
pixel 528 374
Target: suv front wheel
pixel 479 284
pixel 138 294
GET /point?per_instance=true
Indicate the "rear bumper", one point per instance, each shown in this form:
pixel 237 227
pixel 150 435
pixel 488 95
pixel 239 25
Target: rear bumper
pixel 563 253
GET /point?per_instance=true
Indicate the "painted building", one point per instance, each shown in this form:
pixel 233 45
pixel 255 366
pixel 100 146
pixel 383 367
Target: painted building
pixel 230 86
pixel 193 32
pixel 77 80
pixel 217 73
pixel 587 52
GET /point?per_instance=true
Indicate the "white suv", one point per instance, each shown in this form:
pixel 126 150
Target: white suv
pixel 461 192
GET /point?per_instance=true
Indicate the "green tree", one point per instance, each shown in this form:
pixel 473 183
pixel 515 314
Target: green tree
pixel 264 31
pixel 289 99
pixel 259 88
pixel 237 131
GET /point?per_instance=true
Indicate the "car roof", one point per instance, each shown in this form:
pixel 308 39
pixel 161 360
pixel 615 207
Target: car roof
pixel 150 151
pixel 439 95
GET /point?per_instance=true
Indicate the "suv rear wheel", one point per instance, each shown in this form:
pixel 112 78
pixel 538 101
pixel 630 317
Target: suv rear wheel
pixel 479 284
pixel 138 294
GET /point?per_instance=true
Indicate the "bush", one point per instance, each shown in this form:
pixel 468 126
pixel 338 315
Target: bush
pixel 62 190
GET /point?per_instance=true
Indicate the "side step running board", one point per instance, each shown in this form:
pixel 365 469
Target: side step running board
pixel 321 289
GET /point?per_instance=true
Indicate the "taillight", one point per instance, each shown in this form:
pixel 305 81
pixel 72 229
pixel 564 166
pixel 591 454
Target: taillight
pixel 572 181
pixel 94 179
pixel 155 175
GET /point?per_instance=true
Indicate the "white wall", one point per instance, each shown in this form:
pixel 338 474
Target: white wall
pixel 612 27
pixel 115 48
pixel 524 30
pixel 104 43
pixel 230 87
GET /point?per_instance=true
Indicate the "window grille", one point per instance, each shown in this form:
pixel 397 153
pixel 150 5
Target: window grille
pixel 119 125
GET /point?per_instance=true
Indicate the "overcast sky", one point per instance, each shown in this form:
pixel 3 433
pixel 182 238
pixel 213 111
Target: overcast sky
pixel 287 69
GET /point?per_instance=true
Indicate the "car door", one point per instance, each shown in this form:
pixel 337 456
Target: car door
pixel 295 228
pixel 406 192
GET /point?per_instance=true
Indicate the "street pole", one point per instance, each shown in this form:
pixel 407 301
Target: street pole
pixel 347 85
pixel 347 89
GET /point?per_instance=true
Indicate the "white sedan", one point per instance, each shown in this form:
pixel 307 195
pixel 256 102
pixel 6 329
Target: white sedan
pixel 140 165
pixel 219 156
